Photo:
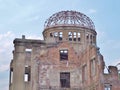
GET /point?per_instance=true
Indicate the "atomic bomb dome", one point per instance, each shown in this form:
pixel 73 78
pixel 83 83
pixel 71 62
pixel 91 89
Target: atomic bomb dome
pixel 69 18
pixel 68 58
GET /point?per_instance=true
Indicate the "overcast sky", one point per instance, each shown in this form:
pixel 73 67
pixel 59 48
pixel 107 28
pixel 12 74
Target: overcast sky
pixel 27 17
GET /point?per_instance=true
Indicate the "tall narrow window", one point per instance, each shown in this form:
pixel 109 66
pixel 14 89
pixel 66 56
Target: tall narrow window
pixel 107 87
pixel 84 73
pixel 65 79
pixel 27 74
pixel 11 75
pixel 74 36
pixel 70 36
pixel 63 55
pixel 91 39
pixel 92 64
pixel 87 36
pixel 51 35
pixel 60 36
pixel 78 36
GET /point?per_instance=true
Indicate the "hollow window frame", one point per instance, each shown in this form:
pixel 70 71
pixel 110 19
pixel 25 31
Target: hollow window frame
pixel 51 34
pixel 63 53
pixel 65 79
pixel 55 34
pixel 74 36
pixel 70 35
pixel 60 36
pixel 107 86
pixel 87 36
pixel 79 36
pixel 27 74
pixel 11 75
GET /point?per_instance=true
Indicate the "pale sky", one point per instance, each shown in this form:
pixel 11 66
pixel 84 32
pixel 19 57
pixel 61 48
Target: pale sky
pixel 27 17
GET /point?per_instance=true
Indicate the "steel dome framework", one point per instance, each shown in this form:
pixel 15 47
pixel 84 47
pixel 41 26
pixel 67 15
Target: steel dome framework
pixel 69 18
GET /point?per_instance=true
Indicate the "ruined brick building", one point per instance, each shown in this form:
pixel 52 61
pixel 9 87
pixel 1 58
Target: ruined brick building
pixel 67 59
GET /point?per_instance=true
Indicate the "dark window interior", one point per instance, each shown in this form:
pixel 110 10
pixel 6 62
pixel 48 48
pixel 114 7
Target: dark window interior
pixel 108 87
pixel 70 39
pixel 78 39
pixel 60 38
pixel 51 35
pixel 74 39
pixel 65 79
pixel 90 36
pixel 63 55
pixel 87 36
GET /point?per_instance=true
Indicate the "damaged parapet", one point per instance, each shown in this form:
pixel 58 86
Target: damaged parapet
pixel 113 70
pixel 112 79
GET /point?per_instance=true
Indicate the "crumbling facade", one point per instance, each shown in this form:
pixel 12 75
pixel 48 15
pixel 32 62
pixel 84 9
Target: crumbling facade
pixel 67 59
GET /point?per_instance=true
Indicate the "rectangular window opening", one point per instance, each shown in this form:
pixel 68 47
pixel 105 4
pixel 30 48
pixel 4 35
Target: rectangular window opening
pixel 84 73
pixel 65 79
pixel 87 36
pixel 60 36
pixel 74 35
pixel 70 39
pixel 74 39
pixel 63 55
pixel 51 35
pixel 107 87
pixel 90 36
pixel 78 36
pixel 56 34
pixel 26 77
pixel 11 75
pixel 28 50
pixel 70 36
pixel 78 39
pixel 92 64
pixel 27 73
pixel 93 39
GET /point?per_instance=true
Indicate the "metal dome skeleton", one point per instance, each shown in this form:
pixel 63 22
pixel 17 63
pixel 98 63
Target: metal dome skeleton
pixel 69 18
